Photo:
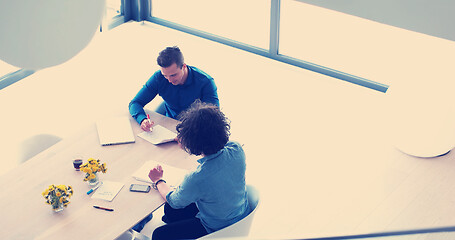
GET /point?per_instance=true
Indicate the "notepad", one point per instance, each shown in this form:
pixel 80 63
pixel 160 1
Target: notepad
pixel 108 190
pixel 173 176
pixel 158 135
pixel 115 131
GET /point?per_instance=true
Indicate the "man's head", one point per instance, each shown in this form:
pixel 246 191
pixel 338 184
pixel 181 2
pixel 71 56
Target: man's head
pixel 203 129
pixel 169 56
pixel 172 65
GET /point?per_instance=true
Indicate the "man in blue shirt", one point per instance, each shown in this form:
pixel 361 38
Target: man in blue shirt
pixel 177 83
pixel 214 195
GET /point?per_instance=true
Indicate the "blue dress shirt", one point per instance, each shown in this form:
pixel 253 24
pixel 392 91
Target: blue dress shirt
pixel 198 85
pixel 217 187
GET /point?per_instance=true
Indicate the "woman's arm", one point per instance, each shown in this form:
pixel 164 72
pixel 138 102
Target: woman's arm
pixel 155 175
pixel 164 189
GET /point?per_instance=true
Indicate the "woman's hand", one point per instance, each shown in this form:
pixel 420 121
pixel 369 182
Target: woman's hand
pixel 156 173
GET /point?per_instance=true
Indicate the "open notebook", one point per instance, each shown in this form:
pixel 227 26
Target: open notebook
pixel 158 135
pixel 115 131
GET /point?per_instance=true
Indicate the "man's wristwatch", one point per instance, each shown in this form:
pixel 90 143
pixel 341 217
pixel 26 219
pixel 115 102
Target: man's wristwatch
pixel 156 183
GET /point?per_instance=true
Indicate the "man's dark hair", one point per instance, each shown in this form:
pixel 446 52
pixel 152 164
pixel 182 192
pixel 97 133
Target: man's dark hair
pixel 169 56
pixel 203 129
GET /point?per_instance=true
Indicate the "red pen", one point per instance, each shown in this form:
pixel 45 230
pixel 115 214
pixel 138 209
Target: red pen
pixel 150 121
pixel 104 208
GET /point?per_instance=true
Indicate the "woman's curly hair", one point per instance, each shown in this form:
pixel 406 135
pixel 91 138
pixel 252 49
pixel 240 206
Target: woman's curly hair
pixel 203 129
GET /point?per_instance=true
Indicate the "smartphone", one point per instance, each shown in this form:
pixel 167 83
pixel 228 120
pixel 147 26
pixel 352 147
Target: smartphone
pixel 139 188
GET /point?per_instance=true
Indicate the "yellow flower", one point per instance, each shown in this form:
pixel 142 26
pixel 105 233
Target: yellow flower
pixel 103 168
pixel 91 167
pixel 57 194
pixel 70 190
pixel 46 192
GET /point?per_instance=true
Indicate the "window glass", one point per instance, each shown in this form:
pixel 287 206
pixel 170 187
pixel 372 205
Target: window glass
pixel 112 8
pixel 6 68
pixel 336 40
pixel 243 21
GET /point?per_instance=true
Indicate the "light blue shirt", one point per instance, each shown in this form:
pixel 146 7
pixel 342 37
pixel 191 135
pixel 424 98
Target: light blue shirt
pixel 217 187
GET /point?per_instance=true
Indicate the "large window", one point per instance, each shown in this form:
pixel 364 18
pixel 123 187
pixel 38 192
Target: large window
pixel 335 40
pixel 243 21
pixel 285 30
pixel 290 31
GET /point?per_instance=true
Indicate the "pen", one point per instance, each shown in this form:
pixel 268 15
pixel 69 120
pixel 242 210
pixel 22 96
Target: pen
pixel 93 189
pixel 150 121
pixel 103 208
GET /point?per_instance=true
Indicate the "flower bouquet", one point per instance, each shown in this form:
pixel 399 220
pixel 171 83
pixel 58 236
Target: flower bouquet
pixel 91 168
pixel 58 196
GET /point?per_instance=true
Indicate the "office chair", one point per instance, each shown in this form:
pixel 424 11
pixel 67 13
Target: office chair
pixel 132 235
pixel 36 144
pixel 238 229
pixel 242 227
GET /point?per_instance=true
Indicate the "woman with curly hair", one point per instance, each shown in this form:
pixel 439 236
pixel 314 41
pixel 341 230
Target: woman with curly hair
pixel 214 195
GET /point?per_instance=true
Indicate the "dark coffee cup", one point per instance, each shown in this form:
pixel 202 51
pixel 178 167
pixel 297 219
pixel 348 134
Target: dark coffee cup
pixel 77 164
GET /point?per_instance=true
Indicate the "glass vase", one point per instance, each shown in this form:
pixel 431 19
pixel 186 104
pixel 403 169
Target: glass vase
pixel 94 181
pixel 57 207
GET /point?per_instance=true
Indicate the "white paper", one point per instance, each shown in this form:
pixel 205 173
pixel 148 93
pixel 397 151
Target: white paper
pixel 108 190
pixel 172 175
pixel 158 135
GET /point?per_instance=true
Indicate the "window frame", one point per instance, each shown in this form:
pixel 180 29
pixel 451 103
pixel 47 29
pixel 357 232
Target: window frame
pixel 272 52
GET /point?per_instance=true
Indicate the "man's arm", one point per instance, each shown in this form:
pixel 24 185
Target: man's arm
pixel 210 94
pixel 142 98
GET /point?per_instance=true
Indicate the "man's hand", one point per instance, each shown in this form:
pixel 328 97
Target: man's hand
pixel 156 173
pixel 147 125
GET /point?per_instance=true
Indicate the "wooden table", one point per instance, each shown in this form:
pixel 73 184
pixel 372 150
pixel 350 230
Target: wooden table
pixel 26 216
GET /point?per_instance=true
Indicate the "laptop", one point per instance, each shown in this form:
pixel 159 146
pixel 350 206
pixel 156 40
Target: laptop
pixel 115 131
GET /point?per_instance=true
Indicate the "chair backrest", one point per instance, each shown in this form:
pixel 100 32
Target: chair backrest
pixel 242 227
pixel 36 144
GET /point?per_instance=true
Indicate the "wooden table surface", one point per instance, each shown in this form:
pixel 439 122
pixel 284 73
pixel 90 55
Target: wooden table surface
pixel 26 216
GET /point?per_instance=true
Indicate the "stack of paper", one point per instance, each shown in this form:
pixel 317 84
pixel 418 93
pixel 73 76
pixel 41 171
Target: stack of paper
pixel 173 176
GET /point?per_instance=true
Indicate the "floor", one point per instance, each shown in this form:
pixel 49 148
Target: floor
pixel 307 136
pixel 272 106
